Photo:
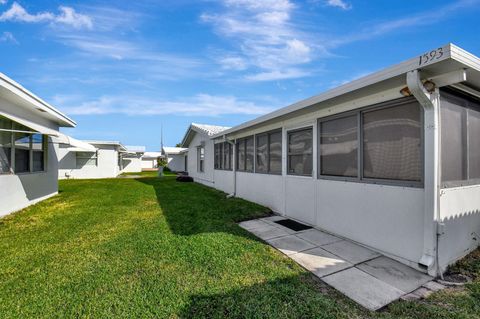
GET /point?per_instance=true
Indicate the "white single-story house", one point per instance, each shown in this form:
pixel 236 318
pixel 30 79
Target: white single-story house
pixel 391 160
pixel 28 158
pixel 103 160
pixel 199 158
pixel 132 159
pixel 150 161
pixel 176 158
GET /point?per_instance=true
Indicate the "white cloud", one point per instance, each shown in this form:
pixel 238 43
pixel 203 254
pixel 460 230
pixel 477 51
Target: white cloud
pixel 277 75
pixel 266 40
pixel 67 16
pixel 339 4
pixel 200 104
pixel 3 1
pixel 8 37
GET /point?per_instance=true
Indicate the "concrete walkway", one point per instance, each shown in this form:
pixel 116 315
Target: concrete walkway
pixel 365 276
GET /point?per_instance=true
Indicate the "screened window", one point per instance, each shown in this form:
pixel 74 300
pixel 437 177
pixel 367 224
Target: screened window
pixel 5 151
pixel 5 145
pixel 269 153
pixel 261 166
pixel 275 152
pixel 460 145
pixel 22 152
pixel 86 159
pixel 201 159
pixel 223 156
pixel 392 143
pixel 339 146
pixel 245 154
pixel 300 152
pixel 38 151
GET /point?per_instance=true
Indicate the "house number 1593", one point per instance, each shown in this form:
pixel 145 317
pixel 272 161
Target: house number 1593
pixel 430 56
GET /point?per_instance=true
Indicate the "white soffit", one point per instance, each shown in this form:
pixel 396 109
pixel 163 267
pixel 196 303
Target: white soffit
pixel 38 128
pixel 76 145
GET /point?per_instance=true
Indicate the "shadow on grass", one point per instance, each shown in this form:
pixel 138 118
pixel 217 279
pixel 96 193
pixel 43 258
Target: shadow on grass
pixel 192 208
pixel 299 296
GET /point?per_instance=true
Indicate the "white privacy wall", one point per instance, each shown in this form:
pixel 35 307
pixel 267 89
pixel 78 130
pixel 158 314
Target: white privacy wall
pixel 132 164
pixel 107 164
pixel 460 214
pixel 176 162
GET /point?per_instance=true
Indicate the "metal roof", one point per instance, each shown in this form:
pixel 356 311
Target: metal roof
pixel 445 59
pixel 27 99
pixel 209 130
pixel 174 150
pixel 116 143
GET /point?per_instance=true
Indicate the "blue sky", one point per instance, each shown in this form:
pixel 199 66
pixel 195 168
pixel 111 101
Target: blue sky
pixel 122 69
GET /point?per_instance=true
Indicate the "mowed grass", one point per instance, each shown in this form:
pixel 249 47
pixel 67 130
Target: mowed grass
pixel 155 248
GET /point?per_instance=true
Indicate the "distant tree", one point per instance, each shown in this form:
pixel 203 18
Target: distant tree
pixel 178 145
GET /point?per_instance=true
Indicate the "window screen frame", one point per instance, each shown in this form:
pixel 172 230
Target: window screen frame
pixel 287 144
pixel 268 134
pixel 225 147
pixel 200 160
pixel 465 135
pixel 360 160
pixel 243 143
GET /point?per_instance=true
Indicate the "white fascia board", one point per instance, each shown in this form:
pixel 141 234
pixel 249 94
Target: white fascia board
pixel 35 101
pixel 448 51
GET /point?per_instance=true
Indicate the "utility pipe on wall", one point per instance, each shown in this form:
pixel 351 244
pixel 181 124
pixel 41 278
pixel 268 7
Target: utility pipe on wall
pixel 430 101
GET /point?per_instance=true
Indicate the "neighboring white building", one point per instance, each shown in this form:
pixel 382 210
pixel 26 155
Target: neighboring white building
pixel 106 161
pixel 132 159
pixel 28 158
pixel 150 160
pixel 391 160
pixel 176 158
pixel 199 156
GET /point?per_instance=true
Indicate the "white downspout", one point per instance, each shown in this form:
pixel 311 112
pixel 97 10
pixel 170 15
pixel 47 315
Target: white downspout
pixel 430 102
pixel 234 167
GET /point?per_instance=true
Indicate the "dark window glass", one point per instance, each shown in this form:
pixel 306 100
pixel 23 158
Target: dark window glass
pixel 261 165
pixel 217 158
pixel 22 153
pixel 275 154
pixel 227 156
pixel 392 143
pixel 5 151
pixel 300 152
pixel 38 148
pixel 339 147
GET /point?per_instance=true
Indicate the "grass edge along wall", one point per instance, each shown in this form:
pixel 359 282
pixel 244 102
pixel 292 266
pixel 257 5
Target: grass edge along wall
pixel 398 218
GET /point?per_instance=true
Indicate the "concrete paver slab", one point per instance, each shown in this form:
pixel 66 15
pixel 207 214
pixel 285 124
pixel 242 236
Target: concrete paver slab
pixel 395 273
pixel 268 232
pixel 363 288
pixel 320 262
pixel 290 244
pixel 252 224
pixel 351 252
pixel 318 237
pixel 273 218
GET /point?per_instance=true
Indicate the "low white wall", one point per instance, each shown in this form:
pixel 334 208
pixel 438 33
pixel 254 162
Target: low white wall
pixel 224 181
pixel 266 190
pixel 460 213
pixel 107 164
pixel 387 218
pixel 176 163
pixel 22 190
pixel 132 164
pixel 148 163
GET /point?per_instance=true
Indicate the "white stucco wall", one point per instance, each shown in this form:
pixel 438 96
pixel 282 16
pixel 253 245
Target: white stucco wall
pixel 107 164
pixel 147 163
pixel 132 164
pixel 460 213
pixel 21 190
pixel 176 162
pixel 205 177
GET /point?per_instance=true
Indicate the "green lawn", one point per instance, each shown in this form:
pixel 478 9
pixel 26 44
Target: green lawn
pixel 149 247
